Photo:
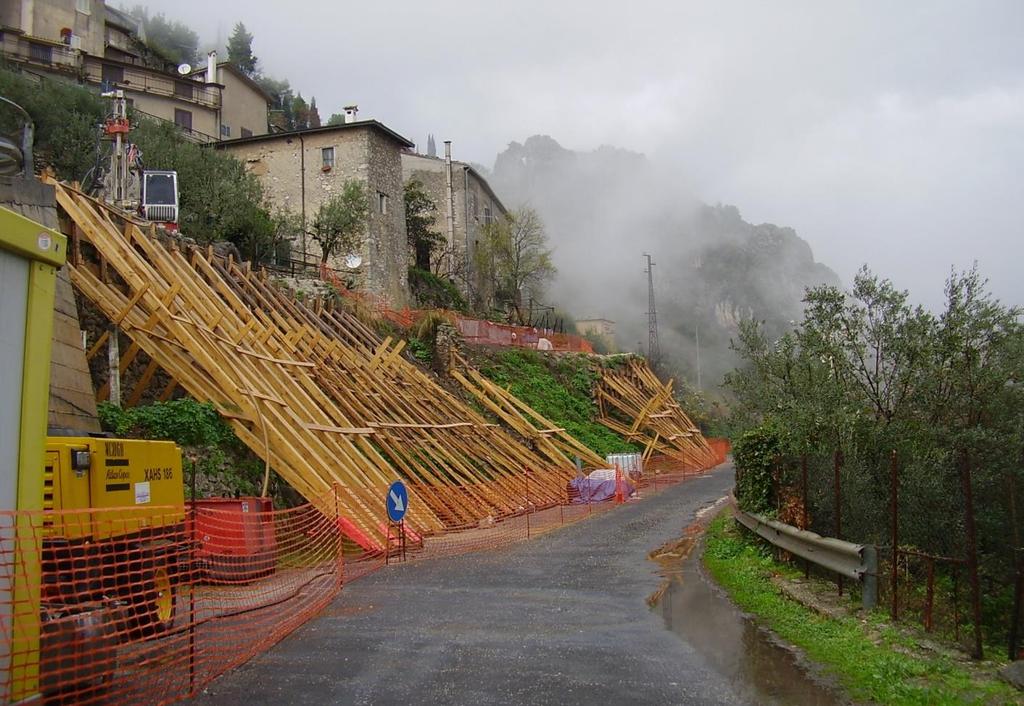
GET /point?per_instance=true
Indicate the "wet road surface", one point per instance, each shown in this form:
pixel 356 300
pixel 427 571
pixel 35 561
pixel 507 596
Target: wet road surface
pixel 758 668
pixel 562 619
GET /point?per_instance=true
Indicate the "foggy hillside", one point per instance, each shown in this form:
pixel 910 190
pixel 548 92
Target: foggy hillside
pixel 604 208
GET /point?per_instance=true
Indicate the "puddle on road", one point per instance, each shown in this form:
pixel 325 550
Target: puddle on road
pixel 759 669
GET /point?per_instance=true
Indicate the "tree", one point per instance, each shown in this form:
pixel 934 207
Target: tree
pixel 269 236
pixel 281 103
pixel 339 222
pixel 512 257
pixel 313 119
pixel 219 199
pixel 300 113
pixel 240 50
pixel 65 117
pixel 420 218
pixel 866 379
pixel 336 119
pixel 175 41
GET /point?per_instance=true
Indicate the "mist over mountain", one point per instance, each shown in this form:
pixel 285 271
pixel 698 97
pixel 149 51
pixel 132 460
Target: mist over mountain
pixel 604 208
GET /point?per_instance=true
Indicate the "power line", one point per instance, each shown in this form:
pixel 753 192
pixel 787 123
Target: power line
pixel 653 349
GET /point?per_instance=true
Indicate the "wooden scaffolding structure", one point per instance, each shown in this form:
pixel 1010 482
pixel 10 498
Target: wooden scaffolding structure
pixel 634 403
pixel 332 408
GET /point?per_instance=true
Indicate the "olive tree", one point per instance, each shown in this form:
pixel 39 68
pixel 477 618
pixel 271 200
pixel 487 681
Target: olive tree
pixel 340 222
pixel 511 257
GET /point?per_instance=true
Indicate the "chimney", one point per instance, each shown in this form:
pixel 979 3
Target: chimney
pixel 211 67
pixel 450 205
pixel 350 113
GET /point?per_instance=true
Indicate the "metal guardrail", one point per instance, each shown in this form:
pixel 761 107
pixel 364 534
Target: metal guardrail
pixel 855 561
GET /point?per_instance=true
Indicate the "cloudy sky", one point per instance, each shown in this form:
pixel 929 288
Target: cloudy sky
pixel 890 133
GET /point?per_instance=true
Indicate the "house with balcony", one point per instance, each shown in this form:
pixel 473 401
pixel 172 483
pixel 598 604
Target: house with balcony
pixel 92 43
pixel 245 106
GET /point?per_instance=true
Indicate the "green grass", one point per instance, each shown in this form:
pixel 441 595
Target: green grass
pixel 867 657
pixel 560 388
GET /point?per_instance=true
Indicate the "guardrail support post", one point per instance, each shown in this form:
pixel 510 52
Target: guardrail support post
pixel 803 520
pixel 869 582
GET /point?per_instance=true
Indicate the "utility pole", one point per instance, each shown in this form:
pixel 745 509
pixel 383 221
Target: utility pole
pixel 653 349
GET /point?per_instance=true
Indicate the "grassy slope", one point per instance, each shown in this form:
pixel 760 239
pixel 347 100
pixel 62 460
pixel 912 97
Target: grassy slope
pixel 878 667
pixel 560 388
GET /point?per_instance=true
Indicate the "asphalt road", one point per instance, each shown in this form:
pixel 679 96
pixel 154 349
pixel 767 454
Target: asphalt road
pixel 561 619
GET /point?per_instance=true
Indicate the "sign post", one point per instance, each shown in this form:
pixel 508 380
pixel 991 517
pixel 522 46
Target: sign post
pixel 396 502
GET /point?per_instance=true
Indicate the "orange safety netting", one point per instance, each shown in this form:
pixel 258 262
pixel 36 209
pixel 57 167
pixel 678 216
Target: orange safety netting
pixel 165 599
pixel 476 331
pixel 483 332
pixel 147 605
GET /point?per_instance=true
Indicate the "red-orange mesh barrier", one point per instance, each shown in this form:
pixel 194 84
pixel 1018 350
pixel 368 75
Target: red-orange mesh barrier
pixel 720 446
pixel 489 333
pixel 533 520
pixel 130 605
pixel 125 605
pixel 476 331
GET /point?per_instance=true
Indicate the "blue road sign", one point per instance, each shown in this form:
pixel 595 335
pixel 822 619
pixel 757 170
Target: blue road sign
pixel 397 501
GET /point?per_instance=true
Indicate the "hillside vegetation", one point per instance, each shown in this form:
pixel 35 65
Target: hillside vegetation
pixel 558 387
pixel 221 463
pixel 220 201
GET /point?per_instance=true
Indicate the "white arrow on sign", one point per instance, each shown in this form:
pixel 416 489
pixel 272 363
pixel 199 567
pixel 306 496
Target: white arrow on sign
pixel 397 500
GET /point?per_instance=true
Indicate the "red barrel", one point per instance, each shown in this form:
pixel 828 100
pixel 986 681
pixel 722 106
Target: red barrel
pixel 235 539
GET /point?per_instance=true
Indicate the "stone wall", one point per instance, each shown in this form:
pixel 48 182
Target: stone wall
pixel 474 206
pixel 389 254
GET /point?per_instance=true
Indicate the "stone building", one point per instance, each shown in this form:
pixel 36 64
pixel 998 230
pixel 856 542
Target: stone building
pixel 91 42
pixel 301 170
pixel 596 327
pixel 473 205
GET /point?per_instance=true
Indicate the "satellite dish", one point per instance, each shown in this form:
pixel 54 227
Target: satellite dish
pixel 184 69
pixel 353 261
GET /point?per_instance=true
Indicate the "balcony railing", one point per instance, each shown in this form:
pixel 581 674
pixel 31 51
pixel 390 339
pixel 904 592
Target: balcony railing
pixel 200 138
pixel 153 82
pixel 40 53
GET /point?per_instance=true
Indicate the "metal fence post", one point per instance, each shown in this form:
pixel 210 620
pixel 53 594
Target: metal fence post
pixel 972 553
pixel 894 511
pixel 1018 584
pixel 1018 589
pixel 929 600
pixel 192 585
pixel 340 547
pixel 804 520
pixel 527 474
pixel 837 460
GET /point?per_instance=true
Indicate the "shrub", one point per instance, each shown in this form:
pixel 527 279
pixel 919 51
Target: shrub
pixel 435 292
pixel 183 421
pixel 756 453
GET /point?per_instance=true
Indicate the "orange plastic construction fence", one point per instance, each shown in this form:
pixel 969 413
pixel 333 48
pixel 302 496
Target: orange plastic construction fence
pixel 132 605
pixel 489 333
pixel 720 446
pixel 476 331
